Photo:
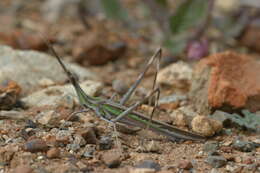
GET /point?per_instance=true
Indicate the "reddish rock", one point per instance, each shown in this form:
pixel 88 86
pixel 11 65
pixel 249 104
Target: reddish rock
pixel 112 158
pixel 53 153
pixel 9 94
pixel 185 164
pixel 226 81
pixel 23 169
pixel 98 48
pixel 35 145
pixel 89 135
pixel 20 39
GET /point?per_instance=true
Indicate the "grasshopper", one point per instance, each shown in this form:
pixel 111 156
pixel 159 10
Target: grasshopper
pixel 114 112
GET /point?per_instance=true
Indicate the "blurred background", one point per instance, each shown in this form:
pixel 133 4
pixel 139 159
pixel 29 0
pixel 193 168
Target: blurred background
pixel 110 29
pixel 120 34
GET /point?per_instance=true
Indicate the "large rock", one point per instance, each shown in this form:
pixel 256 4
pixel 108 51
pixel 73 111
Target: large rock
pixel 61 95
pixel 30 68
pixel 226 81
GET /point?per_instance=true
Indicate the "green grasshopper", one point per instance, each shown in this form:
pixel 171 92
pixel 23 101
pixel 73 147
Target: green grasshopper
pixel 113 112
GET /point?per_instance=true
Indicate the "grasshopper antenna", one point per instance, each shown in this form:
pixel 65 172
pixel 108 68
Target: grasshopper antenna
pixel 53 51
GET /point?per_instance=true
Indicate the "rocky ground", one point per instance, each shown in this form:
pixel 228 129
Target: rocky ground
pixel 217 97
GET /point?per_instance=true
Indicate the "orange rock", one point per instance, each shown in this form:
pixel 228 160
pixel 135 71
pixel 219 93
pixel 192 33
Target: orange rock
pixel 9 94
pixel 19 39
pixel 53 153
pixel 227 80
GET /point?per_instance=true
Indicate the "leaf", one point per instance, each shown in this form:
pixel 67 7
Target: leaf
pixel 162 2
pixel 187 15
pixel 114 9
pixel 250 120
pixel 176 44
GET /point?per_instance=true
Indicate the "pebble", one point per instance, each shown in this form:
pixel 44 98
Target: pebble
pixel 151 146
pixel 35 145
pixel 185 164
pixel 9 94
pixel 89 135
pixel 105 143
pixel 205 125
pixel 142 170
pixel 53 153
pixel 179 118
pixel 222 117
pixel 244 146
pixel 214 170
pixel 119 86
pixel 216 161
pixel 231 168
pixel 177 75
pixel 23 169
pixel 210 146
pixel 45 118
pixel 78 139
pixel 73 147
pixel 112 158
pixel 89 151
pixel 149 164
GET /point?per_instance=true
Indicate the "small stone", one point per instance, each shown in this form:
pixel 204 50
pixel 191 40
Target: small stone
pixel 177 75
pixel 226 149
pixel 23 169
pixel 216 161
pixel 214 170
pixel 248 160
pixel 185 164
pixel 179 118
pixel 36 145
pixel 151 146
pixel 89 135
pixel 205 126
pixel 238 159
pixel 119 86
pixel 211 146
pixel 78 139
pixel 73 147
pixel 149 164
pixel 142 170
pixel 46 117
pixel 171 102
pixel 89 151
pixel 231 168
pixel 112 158
pixel 9 94
pixel 44 82
pixel 53 153
pixel 222 117
pixel 243 146
pixel 105 143
pixel 227 143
